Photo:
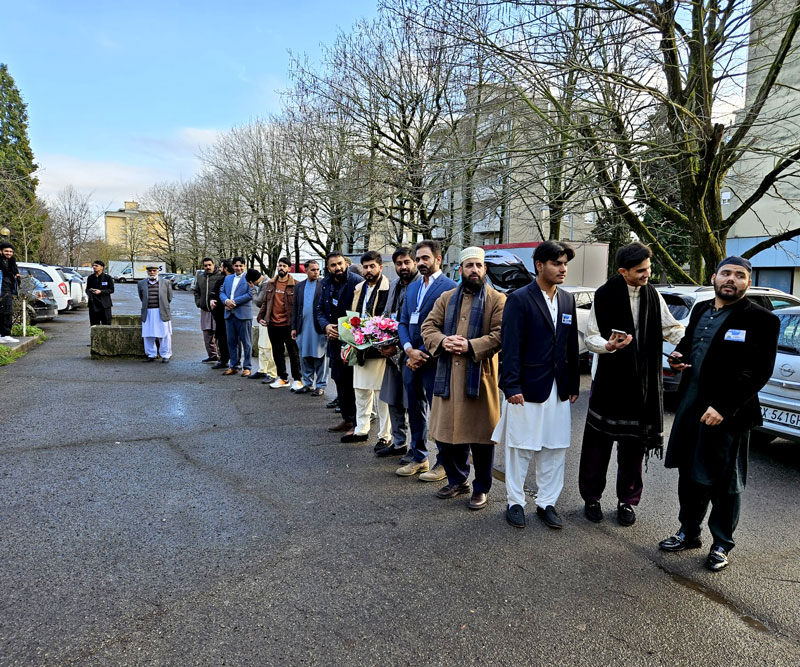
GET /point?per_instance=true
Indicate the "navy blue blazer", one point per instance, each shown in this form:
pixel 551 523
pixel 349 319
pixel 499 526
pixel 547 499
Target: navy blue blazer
pixel 335 300
pixel 534 351
pixel 410 333
pixel 243 297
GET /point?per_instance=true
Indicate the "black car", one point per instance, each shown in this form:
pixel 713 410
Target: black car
pixel 41 304
pixel 505 271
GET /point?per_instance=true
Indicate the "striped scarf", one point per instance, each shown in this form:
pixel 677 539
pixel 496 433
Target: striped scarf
pixel 441 386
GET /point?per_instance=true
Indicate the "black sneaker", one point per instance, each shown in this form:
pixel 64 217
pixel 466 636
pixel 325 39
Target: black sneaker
pixel 381 444
pixel 625 515
pixel 679 542
pixel 391 450
pixel 593 512
pixel 717 558
pixel 332 404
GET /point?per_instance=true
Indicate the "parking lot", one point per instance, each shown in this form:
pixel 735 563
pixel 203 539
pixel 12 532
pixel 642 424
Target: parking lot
pixel 165 514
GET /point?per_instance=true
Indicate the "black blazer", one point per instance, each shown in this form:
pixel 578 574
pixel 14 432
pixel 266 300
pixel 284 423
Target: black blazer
pixel 534 352
pixel 734 371
pixel 104 283
pixel 297 309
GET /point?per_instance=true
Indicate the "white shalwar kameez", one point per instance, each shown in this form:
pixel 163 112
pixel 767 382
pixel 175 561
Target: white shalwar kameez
pixel 153 327
pixel 535 430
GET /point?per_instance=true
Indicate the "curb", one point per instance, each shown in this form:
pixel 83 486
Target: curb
pixel 24 344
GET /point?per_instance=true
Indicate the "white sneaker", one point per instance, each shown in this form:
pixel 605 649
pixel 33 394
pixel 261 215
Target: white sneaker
pixel 279 383
pixel 9 339
pixel 296 385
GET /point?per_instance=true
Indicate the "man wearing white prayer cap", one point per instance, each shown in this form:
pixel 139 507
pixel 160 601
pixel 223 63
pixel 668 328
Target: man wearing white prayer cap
pixel 540 379
pixel 463 331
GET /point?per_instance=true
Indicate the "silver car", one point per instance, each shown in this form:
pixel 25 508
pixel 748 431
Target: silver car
pixel 780 397
pixel 681 299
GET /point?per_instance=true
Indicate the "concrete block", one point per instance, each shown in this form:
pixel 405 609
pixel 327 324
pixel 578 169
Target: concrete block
pixel 127 320
pixel 110 340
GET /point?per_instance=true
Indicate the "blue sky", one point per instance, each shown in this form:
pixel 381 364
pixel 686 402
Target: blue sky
pixel 122 94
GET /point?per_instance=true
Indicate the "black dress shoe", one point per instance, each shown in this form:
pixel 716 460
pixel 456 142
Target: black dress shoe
pixel 452 490
pixel 220 364
pixel 391 450
pixel 332 404
pixel 625 515
pixel 717 558
pixel 679 542
pixel 515 515
pixel 303 390
pixel 148 360
pixel 478 501
pixel 209 359
pixel 165 361
pixel 354 437
pixel 550 517
pixel 593 512
pixel 257 375
pixel 381 444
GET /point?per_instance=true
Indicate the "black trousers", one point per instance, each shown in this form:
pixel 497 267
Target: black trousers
pixel 595 457
pixel 6 323
pixel 694 500
pixel 101 316
pixel 342 374
pixel 220 333
pixel 455 459
pixel 281 339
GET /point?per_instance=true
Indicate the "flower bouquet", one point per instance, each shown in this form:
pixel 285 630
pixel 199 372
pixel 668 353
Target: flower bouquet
pixel 361 333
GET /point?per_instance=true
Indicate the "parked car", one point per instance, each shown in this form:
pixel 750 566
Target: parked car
pixel 52 279
pixel 77 287
pixel 584 297
pixel 780 397
pixel 681 299
pixel 41 303
pixel 187 284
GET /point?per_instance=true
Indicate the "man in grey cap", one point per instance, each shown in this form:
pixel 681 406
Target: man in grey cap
pixel 156 294
pixel 726 357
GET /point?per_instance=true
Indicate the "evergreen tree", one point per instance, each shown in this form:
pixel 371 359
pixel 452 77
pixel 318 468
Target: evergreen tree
pixel 18 209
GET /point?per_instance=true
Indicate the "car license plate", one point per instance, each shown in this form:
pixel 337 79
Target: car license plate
pixel 775 416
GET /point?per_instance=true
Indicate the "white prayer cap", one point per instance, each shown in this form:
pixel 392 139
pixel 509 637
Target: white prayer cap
pixel 473 252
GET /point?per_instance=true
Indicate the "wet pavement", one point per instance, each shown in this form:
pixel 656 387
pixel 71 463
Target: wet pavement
pixel 165 514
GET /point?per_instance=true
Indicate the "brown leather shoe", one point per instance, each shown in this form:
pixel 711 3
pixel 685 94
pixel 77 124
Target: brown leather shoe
pixel 341 426
pixel 231 371
pixel 478 501
pixel 245 373
pixel 452 490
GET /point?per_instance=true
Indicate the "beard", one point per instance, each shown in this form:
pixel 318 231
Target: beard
pixel 730 297
pixel 474 283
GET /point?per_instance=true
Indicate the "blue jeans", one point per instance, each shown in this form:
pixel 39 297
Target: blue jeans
pixel 314 368
pixel 419 389
pixel 240 332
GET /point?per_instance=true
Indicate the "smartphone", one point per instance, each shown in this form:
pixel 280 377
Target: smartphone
pixel 624 334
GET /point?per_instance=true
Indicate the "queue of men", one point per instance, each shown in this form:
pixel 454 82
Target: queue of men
pixel 442 382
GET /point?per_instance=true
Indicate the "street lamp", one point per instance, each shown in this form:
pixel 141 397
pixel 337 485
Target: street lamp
pixel 5 231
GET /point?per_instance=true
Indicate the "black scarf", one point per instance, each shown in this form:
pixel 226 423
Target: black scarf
pixel 627 398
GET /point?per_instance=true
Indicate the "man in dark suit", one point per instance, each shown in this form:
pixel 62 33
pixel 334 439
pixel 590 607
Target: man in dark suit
pixel 726 357
pixel 338 288
pixel 540 379
pixel 99 288
pixel 235 293
pixel 419 371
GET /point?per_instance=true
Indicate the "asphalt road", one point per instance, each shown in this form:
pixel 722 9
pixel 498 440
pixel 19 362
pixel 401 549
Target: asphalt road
pixel 165 514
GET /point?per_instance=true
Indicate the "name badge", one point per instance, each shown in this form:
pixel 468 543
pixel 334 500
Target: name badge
pixel 394 316
pixel 414 319
pixel 736 335
pixel 335 302
pixel 105 283
pixel 566 318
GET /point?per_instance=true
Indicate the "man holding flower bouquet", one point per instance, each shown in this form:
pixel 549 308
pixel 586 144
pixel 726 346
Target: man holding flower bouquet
pixel 369 300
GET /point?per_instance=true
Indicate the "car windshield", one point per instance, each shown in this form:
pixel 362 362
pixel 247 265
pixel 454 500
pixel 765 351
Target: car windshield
pixel 508 277
pixel 679 306
pixel 789 338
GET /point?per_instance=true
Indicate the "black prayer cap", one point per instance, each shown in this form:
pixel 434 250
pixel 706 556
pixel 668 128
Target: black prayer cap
pixel 738 261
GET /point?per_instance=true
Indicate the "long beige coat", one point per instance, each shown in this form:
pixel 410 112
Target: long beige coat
pixel 458 419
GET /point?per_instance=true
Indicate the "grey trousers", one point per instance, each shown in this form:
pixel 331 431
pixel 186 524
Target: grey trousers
pixel 399 421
